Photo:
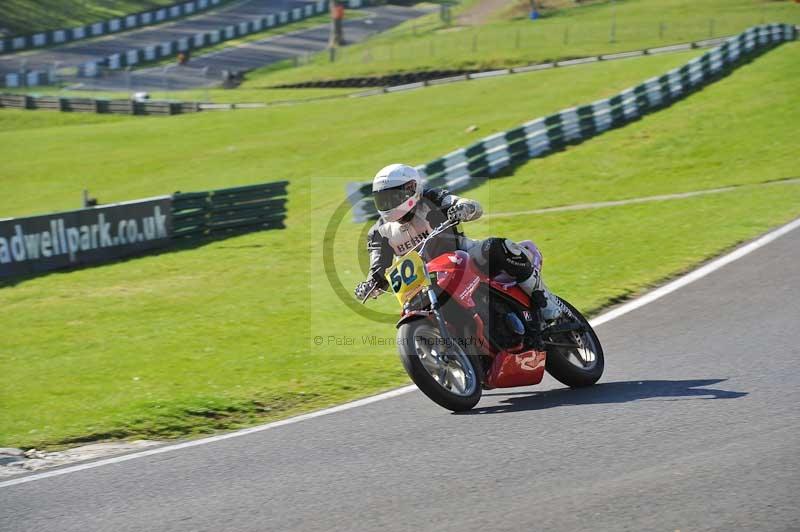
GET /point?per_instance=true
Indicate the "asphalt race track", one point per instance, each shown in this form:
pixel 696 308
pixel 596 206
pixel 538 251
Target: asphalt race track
pixel 206 69
pixel 695 426
pixel 88 50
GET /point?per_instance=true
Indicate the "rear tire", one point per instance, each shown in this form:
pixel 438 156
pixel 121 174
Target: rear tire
pixel 414 350
pixel 562 363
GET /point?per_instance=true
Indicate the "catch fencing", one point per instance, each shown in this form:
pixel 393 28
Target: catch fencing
pixel 41 39
pixel 88 105
pixel 501 152
pixel 169 49
pixel 93 235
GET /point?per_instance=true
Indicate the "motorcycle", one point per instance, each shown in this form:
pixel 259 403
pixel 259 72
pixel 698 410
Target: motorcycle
pixel 461 331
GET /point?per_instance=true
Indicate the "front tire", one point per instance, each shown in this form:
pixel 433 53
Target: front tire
pixel 445 373
pixel 575 367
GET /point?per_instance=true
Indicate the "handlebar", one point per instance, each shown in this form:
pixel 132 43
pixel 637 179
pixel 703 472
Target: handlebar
pixel 444 226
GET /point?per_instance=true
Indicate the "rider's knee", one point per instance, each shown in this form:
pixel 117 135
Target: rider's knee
pixel 503 255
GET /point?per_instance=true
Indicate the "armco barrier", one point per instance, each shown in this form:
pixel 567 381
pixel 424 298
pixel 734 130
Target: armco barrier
pixel 88 105
pixel 93 235
pixel 169 49
pixel 41 39
pixel 499 153
pixel 229 211
pixel 426 78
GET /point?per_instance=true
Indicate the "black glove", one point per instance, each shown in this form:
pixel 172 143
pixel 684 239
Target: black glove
pixel 364 288
pixel 460 212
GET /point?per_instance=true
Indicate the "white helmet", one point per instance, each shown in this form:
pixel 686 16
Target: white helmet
pixel 396 189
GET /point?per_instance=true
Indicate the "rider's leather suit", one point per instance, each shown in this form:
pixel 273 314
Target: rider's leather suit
pixel 493 255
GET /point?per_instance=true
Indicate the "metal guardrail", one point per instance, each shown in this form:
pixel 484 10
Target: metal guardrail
pixel 500 152
pixel 168 49
pixel 426 80
pixel 231 106
pixel 88 105
pixel 41 39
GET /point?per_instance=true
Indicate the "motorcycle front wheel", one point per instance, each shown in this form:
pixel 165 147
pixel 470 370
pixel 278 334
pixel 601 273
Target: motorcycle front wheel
pixel 441 369
pixel 575 358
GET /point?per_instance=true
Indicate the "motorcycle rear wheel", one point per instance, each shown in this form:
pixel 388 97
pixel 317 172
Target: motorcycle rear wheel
pixel 445 373
pixel 576 367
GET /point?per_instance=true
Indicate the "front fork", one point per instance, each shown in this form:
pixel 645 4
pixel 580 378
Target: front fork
pixel 437 311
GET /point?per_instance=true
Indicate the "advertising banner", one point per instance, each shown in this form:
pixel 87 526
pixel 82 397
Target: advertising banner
pixel 88 236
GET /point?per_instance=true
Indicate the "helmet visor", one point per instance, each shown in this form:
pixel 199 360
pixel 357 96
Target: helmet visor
pixel 389 198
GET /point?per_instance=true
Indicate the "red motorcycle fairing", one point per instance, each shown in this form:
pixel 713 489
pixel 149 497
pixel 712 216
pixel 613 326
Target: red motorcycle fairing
pixel 516 369
pixel 458 275
pixel 510 369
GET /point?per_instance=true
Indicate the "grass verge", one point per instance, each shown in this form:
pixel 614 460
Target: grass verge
pixel 590 29
pixel 223 335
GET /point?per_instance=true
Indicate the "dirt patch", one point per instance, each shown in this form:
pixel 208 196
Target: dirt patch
pixel 481 12
pixel 521 9
pixel 16 461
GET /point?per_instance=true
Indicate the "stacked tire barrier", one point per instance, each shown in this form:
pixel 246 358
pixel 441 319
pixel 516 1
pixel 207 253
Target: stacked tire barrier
pixel 500 153
pixel 225 212
pixel 169 49
pixel 88 105
pixel 135 20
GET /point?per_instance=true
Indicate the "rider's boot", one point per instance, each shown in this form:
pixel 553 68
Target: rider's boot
pixel 503 255
pixel 551 307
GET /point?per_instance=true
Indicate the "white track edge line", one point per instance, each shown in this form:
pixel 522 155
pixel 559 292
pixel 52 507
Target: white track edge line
pixel 613 314
pixel 695 275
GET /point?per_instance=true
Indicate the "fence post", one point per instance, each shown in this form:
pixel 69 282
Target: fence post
pixel 613 36
pixel 23 77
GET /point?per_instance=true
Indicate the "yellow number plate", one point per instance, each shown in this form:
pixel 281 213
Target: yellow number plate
pixel 407 276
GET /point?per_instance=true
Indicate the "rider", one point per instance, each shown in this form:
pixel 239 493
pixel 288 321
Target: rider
pixel 408 214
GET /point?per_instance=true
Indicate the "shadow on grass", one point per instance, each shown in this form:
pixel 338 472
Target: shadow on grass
pixel 607 393
pixel 177 246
